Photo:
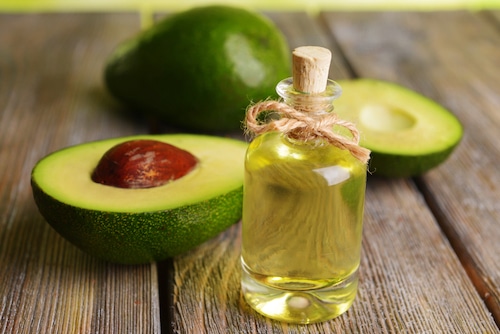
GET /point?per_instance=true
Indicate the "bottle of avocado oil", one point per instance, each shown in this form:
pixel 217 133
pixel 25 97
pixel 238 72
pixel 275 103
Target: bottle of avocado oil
pixel 304 190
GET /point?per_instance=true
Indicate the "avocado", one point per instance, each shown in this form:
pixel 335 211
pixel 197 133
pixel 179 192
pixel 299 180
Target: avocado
pixel 199 69
pixel 407 133
pixel 133 226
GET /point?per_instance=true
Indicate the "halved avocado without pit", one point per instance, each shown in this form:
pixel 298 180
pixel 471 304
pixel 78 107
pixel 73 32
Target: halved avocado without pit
pixel 135 226
pixel 407 132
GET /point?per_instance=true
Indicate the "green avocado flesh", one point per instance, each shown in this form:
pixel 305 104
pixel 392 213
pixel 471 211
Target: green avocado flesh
pixel 407 133
pixel 141 225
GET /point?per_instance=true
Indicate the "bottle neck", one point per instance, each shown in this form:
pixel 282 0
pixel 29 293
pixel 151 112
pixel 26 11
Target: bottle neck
pixel 309 103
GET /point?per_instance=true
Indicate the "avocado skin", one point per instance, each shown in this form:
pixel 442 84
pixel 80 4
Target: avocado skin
pixel 389 165
pixel 137 238
pixel 182 72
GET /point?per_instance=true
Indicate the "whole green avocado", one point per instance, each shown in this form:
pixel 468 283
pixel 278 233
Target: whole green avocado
pixel 199 69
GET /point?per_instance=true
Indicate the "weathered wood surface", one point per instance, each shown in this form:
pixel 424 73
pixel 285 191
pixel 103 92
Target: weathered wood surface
pixel 412 281
pixel 51 96
pixel 453 58
pixel 431 254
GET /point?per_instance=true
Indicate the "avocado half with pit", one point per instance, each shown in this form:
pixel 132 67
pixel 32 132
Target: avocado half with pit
pixel 141 225
pixel 407 133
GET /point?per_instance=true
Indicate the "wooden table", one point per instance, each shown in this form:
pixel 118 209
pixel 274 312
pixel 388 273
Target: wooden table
pixel 431 249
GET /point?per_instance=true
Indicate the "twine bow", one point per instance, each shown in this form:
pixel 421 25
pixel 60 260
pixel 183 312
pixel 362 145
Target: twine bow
pixel 299 125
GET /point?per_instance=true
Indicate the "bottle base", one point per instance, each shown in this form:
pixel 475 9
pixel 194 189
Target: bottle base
pixel 299 306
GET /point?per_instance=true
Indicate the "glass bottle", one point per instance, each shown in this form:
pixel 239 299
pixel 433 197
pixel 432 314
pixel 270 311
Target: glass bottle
pixel 302 219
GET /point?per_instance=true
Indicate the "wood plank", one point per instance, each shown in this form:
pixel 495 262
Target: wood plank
pixel 51 96
pixel 302 33
pixel 411 280
pixel 495 15
pixel 454 58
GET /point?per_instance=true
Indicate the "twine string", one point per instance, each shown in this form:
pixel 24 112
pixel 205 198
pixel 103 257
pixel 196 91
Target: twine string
pixel 299 125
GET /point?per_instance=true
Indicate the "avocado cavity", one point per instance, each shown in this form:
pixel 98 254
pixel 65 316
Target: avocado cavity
pixel 385 119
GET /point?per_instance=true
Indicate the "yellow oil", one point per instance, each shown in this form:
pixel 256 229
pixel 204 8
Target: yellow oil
pixel 302 225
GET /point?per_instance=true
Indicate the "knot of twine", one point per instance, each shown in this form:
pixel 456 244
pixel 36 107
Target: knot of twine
pixel 299 125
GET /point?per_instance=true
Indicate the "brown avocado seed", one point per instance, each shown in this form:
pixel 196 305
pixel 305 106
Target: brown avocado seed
pixel 143 164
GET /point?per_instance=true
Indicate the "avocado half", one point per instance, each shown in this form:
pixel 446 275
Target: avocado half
pixel 407 133
pixel 133 226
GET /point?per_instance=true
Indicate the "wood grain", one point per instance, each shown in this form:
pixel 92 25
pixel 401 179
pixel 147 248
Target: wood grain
pixel 494 15
pixel 454 58
pixel 302 33
pixel 411 279
pixel 51 96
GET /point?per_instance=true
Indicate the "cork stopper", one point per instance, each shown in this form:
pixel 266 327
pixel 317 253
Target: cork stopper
pixel 310 69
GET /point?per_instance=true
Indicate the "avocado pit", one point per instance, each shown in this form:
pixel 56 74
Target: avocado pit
pixel 143 164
